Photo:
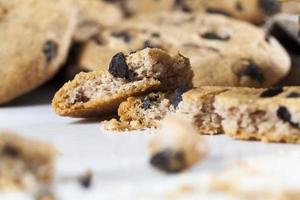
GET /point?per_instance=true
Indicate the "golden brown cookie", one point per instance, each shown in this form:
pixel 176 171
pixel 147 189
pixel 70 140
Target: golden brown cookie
pixel 35 38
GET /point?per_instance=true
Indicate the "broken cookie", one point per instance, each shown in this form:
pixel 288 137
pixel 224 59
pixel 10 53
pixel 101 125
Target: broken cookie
pixel 177 146
pixel 101 92
pixel 24 164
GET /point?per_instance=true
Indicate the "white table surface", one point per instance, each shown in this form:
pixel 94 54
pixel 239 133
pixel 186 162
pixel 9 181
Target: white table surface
pixel 120 161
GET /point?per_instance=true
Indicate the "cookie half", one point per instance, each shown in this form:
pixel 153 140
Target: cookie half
pixel 100 92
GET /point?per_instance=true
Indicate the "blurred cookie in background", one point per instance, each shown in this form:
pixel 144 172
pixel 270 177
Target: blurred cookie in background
pixel 35 39
pixel 94 15
pixel 223 51
pixel 285 28
pixel 255 11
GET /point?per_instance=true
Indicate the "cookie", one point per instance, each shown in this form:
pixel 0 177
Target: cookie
pixel 101 92
pixel 25 164
pixel 139 113
pixel 255 11
pixel 222 51
pixel 270 115
pixel 95 15
pixel 35 38
pixel 176 146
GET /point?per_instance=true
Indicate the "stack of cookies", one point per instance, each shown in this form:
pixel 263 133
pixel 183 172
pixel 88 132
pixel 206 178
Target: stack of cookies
pixel 215 62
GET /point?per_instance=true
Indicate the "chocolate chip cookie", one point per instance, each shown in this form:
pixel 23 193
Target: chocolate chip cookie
pixel 255 11
pixel 270 115
pixel 25 164
pixel 35 38
pixel 222 51
pixel 100 92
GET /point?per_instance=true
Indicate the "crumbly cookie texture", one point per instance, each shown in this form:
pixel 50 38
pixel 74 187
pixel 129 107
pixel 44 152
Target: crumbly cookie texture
pixel 25 164
pixel 176 146
pixel 35 38
pixel 197 106
pixel 271 115
pixel 101 92
pixel 139 113
pixel 222 51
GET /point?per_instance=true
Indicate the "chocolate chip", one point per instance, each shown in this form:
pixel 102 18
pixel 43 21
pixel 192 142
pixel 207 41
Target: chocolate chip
pixel 181 4
pixel 178 96
pixel 169 161
pixel 287 38
pixel 86 179
pixel 217 11
pixel 123 35
pixel 148 44
pixel 214 36
pixel 293 95
pixel 239 6
pixel 118 67
pixel 156 35
pixel 148 101
pixel 284 114
pixel 270 6
pixel 10 150
pixel 253 71
pixel 271 92
pixel 50 49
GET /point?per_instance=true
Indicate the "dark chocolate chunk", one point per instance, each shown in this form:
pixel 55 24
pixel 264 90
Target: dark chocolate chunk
pixel 10 150
pixel 148 101
pixel 284 114
pixel 156 35
pixel 169 161
pixel 239 6
pixel 178 96
pixel 118 66
pixel 214 36
pixel 50 49
pixel 181 4
pixel 293 95
pixel 86 179
pixel 288 39
pixel 270 6
pixel 253 71
pixel 271 92
pixel 123 35
pixel 148 44
pixel 217 11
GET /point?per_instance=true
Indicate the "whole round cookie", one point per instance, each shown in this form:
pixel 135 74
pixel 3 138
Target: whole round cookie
pixel 35 38
pixel 222 51
pixel 255 11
